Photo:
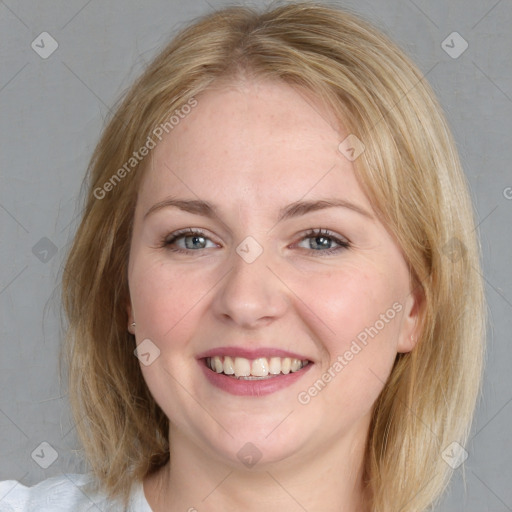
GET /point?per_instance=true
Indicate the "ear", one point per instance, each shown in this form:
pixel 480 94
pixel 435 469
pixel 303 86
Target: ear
pixel 129 314
pixel 409 329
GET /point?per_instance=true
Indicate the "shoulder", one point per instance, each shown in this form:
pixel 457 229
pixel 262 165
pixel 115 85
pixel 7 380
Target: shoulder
pixel 71 492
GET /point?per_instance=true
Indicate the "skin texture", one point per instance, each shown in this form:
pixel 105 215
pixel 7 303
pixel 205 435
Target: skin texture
pixel 252 147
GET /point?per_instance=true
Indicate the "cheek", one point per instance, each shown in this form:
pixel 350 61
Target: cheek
pixel 357 315
pixel 363 316
pixel 163 302
pixel 349 300
pixel 159 297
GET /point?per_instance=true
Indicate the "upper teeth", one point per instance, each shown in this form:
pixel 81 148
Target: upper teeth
pixel 261 367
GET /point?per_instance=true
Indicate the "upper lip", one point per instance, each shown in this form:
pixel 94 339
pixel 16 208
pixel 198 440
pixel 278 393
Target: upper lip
pixel 251 353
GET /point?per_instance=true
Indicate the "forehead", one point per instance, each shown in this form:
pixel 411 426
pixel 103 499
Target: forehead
pixel 254 143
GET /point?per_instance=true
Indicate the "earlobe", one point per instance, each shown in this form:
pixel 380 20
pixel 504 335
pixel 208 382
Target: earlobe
pixel 408 345
pixel 129 314
pixel 409 333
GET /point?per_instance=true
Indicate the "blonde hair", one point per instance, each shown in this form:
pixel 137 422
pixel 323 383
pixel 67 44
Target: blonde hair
pixel 410 171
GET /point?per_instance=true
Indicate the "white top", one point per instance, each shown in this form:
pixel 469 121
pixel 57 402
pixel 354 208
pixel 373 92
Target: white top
pixel 64 494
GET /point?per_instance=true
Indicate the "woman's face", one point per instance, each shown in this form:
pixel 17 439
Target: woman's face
pixel 254 288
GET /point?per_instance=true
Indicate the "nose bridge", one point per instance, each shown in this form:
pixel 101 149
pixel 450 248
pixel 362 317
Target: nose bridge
pixel 250 291
pixel 250 276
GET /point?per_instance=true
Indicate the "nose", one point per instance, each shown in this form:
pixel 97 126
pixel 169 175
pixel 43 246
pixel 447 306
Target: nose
pixel 252 294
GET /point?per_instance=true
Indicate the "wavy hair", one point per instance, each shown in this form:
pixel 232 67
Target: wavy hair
pixel 411 172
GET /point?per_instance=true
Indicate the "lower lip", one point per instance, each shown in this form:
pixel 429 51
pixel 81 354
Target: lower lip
pixel 252 387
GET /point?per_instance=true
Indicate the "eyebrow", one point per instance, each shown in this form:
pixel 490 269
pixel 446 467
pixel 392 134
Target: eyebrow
pixel 296 209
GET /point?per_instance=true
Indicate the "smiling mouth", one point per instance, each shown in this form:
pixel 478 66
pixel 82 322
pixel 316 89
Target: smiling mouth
pixel 254 369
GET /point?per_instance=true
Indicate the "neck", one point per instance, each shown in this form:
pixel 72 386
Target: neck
pixel 329 479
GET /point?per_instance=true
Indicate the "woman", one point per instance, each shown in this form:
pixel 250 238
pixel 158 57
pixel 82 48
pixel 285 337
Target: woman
pixel 278 228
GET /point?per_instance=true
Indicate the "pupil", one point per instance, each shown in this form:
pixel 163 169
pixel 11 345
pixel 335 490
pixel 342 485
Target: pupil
pixel 325 240
pixel 195 239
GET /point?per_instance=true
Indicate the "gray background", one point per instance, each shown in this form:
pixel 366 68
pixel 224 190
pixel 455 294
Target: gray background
pixel 52 112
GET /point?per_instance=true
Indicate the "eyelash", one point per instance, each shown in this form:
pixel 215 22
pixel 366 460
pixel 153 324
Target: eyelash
pixel 313 233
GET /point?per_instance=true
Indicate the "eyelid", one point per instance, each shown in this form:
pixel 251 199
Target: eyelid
pixel 307 232
pixel 179 233
pixel 341 241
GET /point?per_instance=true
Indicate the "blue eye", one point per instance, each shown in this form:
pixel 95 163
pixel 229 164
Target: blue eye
pixel 198 240
pixel 322 238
